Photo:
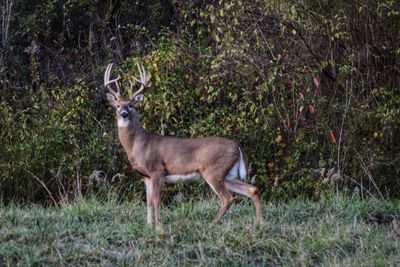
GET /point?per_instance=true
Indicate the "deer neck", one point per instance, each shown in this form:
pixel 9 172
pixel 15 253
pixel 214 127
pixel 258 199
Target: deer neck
pixel 130 133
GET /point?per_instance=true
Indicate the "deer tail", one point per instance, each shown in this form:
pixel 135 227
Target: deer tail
pixel 242 165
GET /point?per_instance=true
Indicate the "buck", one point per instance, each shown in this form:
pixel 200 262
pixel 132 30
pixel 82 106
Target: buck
pixel 219 161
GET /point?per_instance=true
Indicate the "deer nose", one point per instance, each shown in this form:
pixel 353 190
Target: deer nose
pixel 124 114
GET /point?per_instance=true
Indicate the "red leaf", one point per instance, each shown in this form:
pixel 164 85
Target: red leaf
pixel 311 109
pixel 287 81
pixel 332 138
pixel 190 79
pixel 288 122
pixel 316 82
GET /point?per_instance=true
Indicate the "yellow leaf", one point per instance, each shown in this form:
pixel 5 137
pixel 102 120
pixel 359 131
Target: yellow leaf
pixel 278 138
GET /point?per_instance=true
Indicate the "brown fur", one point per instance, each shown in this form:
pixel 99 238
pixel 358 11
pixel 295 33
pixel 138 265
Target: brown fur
pixel 156 156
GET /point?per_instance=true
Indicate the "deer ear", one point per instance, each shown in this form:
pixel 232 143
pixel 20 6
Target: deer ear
pixel 138 99
pixel 111 99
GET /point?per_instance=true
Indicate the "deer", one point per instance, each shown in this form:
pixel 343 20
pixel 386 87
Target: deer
pixel 219 161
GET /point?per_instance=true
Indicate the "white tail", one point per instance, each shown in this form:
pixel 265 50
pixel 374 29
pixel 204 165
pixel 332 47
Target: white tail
pixel 242 166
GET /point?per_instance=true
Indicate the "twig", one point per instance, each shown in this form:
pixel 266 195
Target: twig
pixel 44 186
pixel 348 101
pixel 361 186
pixel 6 21
pixel 368 173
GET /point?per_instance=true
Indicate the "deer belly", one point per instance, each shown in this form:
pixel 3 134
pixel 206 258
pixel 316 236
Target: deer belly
pixel 188 178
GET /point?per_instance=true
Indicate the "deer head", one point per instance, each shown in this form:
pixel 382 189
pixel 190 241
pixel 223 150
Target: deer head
pixel 125 106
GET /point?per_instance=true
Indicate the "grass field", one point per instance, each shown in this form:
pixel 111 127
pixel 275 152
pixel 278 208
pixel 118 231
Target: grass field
pixel 337 231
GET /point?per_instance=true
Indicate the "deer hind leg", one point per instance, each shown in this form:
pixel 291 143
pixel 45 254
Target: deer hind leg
pixel 224 195
pixel 149 195
pixel 248 190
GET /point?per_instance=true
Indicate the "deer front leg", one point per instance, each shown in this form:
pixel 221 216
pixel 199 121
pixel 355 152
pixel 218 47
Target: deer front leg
pixel 149 195
pixel 156 186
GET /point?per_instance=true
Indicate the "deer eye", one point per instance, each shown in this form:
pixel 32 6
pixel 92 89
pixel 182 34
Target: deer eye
pixel 118 106
pixel 130 106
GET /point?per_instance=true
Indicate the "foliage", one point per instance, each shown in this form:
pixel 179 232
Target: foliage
pixel 309 88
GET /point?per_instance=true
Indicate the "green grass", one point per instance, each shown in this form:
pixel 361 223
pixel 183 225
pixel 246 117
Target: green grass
pixel 337 231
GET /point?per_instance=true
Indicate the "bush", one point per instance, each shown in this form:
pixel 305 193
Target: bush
pixel 309 89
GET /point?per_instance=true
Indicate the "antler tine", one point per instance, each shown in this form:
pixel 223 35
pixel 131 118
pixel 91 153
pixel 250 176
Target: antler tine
pixel 142 81
pixel 142 74
pixel 107 74
pixel 143 78
pixel 107 81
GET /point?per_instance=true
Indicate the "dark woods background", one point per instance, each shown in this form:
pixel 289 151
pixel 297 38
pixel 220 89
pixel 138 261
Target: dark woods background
pixel 309 88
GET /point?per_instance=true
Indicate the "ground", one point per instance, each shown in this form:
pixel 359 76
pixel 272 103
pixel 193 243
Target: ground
pixel 334 231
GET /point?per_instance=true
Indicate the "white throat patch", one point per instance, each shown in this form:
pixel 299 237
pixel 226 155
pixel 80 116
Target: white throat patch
pixel 123 122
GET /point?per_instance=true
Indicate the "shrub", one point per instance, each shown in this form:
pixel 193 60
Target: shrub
pixel 309 89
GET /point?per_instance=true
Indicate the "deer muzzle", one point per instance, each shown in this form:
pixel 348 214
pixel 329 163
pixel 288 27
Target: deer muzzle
pixel 124 114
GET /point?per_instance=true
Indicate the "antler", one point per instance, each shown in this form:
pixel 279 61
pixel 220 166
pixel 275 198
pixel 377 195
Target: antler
pixel 107 81
pixel 142 80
